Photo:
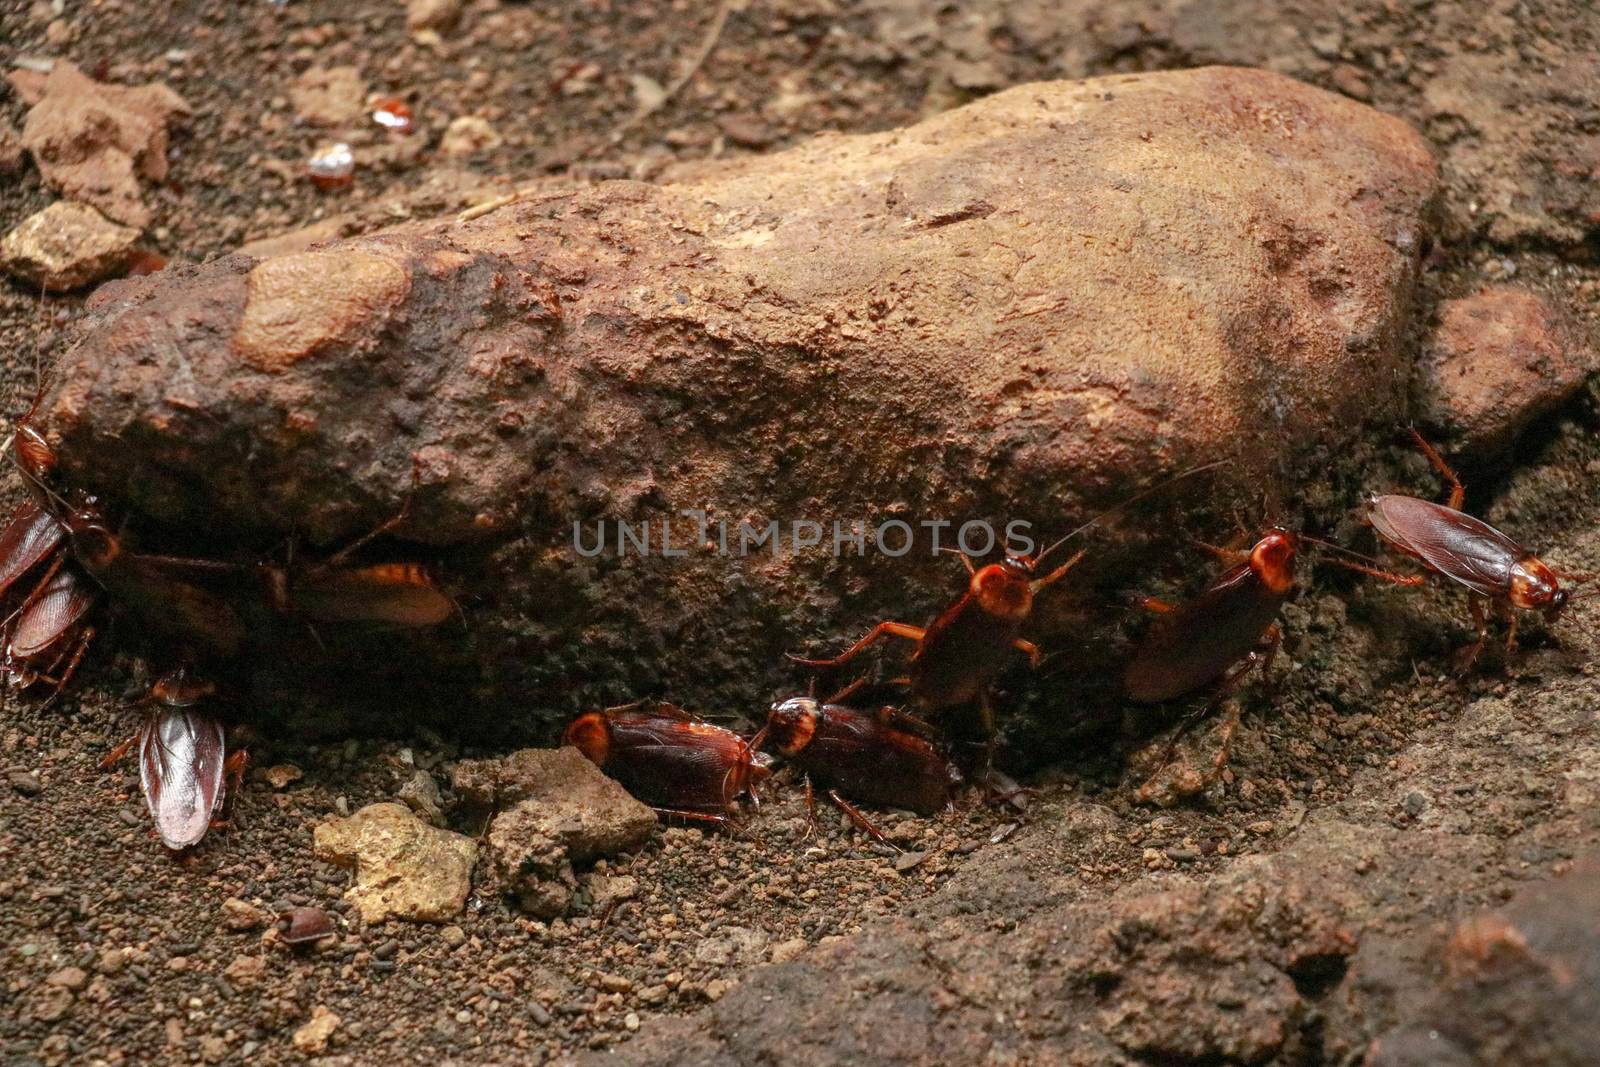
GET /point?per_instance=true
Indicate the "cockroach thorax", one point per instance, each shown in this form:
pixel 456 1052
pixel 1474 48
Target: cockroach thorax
pixel 1534 586
pixel 1001 592
pixel 590 733
pixel 1272 559
pixel 792 723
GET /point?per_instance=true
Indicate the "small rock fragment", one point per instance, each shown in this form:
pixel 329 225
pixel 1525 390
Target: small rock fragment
pixel 784 951
pixel 245 971
pixel 11 155
pixel 453 936
pixel 421 795
pixel 469 135
pixel 732 944
pixel 67 246
pixel 405 869
pixel 282 774
pixel 312 1038
pixel 299 240
pixel 93 142
pixel 437 15
pixel 1500 359
pixel 73 978
pixel 330 97
pixel 242 915
pixel 25 782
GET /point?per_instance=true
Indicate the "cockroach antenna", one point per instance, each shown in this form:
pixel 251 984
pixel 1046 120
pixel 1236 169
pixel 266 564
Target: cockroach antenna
pixel 1132 500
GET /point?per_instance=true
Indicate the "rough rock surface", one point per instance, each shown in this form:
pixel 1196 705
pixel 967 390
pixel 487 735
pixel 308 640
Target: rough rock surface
pixel 1023 308
pixel 405 869
pixel 556 811
pixel 1499 359
pixel 67 246
pixel 94 142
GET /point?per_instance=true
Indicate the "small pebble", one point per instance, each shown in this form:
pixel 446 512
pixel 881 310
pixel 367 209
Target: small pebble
pixel 25 782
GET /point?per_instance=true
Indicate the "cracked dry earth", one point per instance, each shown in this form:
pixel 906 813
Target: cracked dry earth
pixel 1394 869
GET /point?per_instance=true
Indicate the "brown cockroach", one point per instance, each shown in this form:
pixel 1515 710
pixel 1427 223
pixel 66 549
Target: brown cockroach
pixel 184 766
pixel 865 757
pixel 965 648
pixel 397 594
pixel 47 636
pixel 194 617
pixel 1501 576
pixel 1234 619
pixel 960 653
pixel 1214 640
pixel 671 760
pixel 31 536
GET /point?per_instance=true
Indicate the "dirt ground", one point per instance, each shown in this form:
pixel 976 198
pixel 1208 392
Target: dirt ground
pixel 1423 796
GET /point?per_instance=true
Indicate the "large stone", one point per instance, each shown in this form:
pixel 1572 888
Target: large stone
pixel 67 246
pixel 405 869
pixel 94 142
pixel 1499 359
pixel 1025 308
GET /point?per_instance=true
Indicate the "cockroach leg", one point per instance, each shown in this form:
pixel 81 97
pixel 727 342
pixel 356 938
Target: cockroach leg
pixel 1458 492
pixel 1154 605
pixel 1056 575
pixel 1468 656
pixel 844 694
pixel 860 821
pixel 876 634
pixel 1374 572
pixel 393 522
pixel 79 648
pixel 118 754
pixel 811 810
pixel 890 715
pixel 1029 649
pixel 720 821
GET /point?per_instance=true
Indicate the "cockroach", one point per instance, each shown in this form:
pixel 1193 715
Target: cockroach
pixel 304 926
pixel 862 756
pixel 1232 620
pixel 1501 576
pixel 396 594
pixel 184 766
pixel 960 653
pixel 194 617
pixel 31 536
pixel 965 648
pixel 49 634
pixel 1215 639
pixel 671 760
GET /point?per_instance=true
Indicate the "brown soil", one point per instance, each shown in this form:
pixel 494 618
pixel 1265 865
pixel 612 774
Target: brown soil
pixel 1368 730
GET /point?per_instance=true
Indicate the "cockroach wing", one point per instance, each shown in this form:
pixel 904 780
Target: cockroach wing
pixel 181 753
pixel 1195 645
pixel 398 594
pixel 51 614
pixel 151 589
pixel 29 536
pixel 1466 550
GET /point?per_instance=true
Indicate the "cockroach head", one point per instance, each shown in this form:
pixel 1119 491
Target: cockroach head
pixel 590 733
pixel 791 724
pixel 1272 558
